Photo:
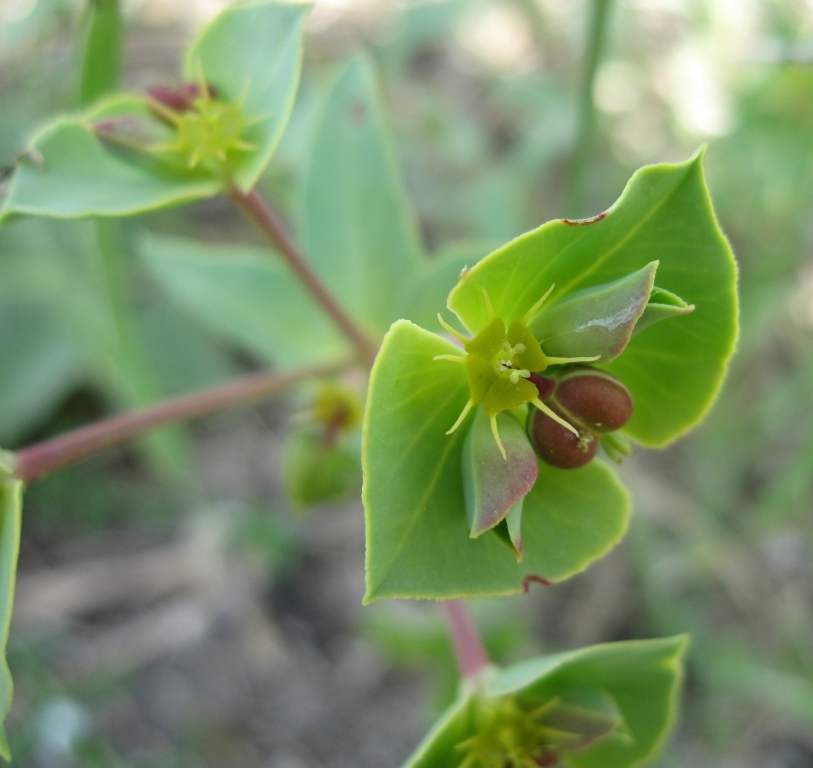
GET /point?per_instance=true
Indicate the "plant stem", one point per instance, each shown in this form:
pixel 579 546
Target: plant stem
pixel 577 193
pixel 254 205
pixel 38 460
pixel 471 654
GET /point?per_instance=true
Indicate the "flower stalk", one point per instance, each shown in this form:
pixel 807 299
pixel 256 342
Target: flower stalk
pixel 472 657
pixel 258 210
pixel 38 460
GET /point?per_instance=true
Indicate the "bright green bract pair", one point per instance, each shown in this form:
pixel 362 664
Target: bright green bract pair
pixel 657 254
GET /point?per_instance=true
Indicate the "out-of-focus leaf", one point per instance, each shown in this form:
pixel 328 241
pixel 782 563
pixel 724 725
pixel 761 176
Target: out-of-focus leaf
pixel 41 360
pixel 357 228
pixel 637 682
pixel 242 294
pixel 102 60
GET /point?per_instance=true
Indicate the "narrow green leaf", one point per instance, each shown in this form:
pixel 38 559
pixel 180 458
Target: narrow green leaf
pixel 242 294
pixel 674 370
pixel 596 321
pixel 252 54
pixel 418 541
pixel 71 173
pixel 637 681
pixel 101 62
pixel 11 492
pixel 357 228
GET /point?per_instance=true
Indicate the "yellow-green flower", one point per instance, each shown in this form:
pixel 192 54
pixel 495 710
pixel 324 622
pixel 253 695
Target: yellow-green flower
pixel 499 364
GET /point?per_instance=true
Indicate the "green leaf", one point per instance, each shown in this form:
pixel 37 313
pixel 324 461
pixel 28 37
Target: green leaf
pixel 596 321
pixel 493 485
pixel 11 492
pixel 244 295
pixel 357 227
pixel 418 541
pixel 71 173
pixel 101 63
pixel 674 370
pixel 252 54
pixel 639 680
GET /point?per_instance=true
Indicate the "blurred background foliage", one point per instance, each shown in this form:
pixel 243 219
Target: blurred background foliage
pixel 173 611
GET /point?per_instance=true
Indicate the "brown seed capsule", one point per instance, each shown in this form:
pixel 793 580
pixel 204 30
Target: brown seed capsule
pixel 558 446
pixel 594 399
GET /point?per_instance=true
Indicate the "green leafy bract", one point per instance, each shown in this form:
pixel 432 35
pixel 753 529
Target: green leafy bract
pixel 10 519
pixel 674 369
pixel 72 173
pixel 596 321
pixel 418 541
pixel 639 679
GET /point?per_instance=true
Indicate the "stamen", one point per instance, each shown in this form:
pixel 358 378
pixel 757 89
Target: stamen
pixel 563 360
pixel 558 419
pixel 514 377
pixel 162 109
pixel 489 308
pixel 452 358
pixel 528 316
pixel 462 416
pixel 496 433
pixel 459 336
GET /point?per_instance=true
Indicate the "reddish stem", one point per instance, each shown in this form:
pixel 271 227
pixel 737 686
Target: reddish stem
pixel 471 654
pixel 253 204
pixel 38 460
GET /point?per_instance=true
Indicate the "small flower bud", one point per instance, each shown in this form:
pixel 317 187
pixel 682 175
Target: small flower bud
pixel 558 446
pixel 594 398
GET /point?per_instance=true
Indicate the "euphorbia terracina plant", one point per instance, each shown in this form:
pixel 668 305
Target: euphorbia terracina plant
pixel 485 432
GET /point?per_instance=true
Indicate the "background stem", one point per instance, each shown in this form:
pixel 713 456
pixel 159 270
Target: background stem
pixel 471 654
pixel 597 34
pixel 38 460
pixel 253 204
